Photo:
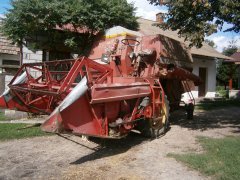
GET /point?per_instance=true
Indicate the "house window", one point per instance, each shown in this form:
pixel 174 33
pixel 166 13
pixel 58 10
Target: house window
pixel 10 62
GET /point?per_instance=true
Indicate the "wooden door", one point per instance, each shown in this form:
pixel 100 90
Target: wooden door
pixel 202 86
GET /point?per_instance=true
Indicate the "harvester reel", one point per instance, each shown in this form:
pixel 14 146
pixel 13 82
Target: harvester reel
pixel 127 42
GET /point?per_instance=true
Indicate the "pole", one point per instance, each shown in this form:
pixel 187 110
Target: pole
pixel 230 84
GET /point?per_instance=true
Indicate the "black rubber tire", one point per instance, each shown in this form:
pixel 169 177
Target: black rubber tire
pixel 146 129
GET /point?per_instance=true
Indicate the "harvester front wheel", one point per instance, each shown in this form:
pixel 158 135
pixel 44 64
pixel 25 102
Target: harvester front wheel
pixel 153 128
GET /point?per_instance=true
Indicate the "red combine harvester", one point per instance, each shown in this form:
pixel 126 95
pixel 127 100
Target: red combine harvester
pixel 124 84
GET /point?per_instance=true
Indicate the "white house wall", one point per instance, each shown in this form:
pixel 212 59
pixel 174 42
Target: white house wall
pixel 32 57
pixel 210 65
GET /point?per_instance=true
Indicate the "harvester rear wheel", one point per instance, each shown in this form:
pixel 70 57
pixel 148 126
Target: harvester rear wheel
pixel 153 128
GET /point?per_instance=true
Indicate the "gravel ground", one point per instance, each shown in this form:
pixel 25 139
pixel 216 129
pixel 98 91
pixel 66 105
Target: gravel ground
pixel 134 157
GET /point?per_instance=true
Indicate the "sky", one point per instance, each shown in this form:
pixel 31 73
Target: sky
pixel 147 11
pixel 4 4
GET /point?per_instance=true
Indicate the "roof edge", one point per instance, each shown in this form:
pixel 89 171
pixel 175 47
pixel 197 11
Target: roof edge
pixel 221 56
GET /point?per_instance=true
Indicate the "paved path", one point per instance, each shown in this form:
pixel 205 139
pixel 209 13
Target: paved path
pixel 24 121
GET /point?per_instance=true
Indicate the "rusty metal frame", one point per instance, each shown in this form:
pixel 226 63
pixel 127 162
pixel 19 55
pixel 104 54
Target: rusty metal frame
pixel 50 89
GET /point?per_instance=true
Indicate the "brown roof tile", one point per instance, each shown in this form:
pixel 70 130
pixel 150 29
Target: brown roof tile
pixel 236 56
pixel 6 46
pixel 146 27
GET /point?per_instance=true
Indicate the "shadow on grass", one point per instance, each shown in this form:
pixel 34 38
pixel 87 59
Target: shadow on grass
pixel 209 104
pixel 210 115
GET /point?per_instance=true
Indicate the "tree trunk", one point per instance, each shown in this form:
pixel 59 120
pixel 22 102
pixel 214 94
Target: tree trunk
pixel 230 84
pixel 21 55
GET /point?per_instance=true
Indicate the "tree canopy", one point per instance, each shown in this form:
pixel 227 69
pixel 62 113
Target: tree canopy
pixel 28 18
pixel 210 43
pixel 227 71
pixel 197 18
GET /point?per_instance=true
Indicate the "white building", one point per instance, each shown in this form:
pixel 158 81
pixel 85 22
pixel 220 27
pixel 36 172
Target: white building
pixel 9 61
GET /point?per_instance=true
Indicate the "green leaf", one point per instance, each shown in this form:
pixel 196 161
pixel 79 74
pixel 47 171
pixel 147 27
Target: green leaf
pixel 31 18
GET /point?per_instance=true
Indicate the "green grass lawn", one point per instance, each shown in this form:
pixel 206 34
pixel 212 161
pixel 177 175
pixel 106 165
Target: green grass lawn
pixel 2 116
pixel 208 105
pixel 220 160
pixel 13 131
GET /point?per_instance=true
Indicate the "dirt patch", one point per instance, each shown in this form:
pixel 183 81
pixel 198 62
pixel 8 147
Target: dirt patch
pixel 131 158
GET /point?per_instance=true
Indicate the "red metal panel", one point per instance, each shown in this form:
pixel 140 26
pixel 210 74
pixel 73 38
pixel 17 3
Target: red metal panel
pixel 117 92
pixel 79 118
